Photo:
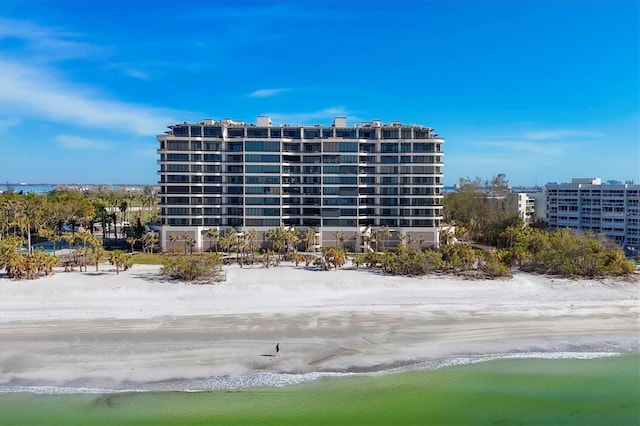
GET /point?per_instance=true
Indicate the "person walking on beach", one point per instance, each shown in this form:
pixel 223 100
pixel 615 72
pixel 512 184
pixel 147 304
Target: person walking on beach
pixel 277 349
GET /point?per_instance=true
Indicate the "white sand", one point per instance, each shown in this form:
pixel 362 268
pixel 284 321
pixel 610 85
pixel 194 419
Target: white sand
pixel 107 331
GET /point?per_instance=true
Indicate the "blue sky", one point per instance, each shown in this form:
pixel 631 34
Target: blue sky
pixel 539 90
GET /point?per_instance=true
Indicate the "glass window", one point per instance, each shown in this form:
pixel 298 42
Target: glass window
pixel 293 133
pixel 212 158
pixel 211 146
pixel 181 131
pixel 234 146
pixel 235 132
pixel 390 133
pixel 213 132
pixel 340 180
pixel 275 133
pixel 257 146
pixel 311 133
pixel 196 131
pixel 257 132
pixel 351 159
pixel 346 133
pixel 262 158
pixel 178 146
pixel 389 147
pixel 257 180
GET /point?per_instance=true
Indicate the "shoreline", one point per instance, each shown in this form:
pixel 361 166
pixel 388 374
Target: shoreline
pixel 259 380
pixel 105 331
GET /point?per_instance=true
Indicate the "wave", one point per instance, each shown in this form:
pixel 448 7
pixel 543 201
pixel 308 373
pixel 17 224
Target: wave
pixel 267 379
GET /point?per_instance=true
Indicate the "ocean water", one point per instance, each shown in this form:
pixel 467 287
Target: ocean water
pixel 26 188
pixel 567 389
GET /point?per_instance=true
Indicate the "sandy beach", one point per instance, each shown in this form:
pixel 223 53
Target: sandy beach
pixel 128 331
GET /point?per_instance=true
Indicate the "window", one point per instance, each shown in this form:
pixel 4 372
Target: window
pixel 196 131
pixel 177 157
pixel 234 146
pixel 327 133
pixel 177 168
pixel 211 146
pixel 212 158
pixel 340 180
pixel 311 133
pixel 291 133
pixel 258 180
pixel 389 159
pixel 257 132
pixel 178 146
pixel 181 131
pixel 212 132
pixel 346 134
pixel 389 147
pixel 257 146
pixel 390 134
pixel 262 158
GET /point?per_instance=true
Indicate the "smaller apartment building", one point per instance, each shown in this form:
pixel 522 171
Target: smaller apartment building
pixel 588 204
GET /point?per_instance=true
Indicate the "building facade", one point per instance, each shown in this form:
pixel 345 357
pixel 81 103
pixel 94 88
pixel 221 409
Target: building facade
pixel 588 204
pixel 340 181
pixel 532 206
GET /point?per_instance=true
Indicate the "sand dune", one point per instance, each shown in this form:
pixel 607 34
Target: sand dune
pixel 107 331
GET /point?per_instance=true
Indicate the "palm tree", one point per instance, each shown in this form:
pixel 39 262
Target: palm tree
pixel 85 237
pixel 213 234
pixel 123 210
pixel 375 238
pixel 131 241
pixel 309 238
pixel 173 238
pixel 120 260
pixel 252 238
pixel 386 234
pixel 189 241
pixel 340 237
pixel 149 241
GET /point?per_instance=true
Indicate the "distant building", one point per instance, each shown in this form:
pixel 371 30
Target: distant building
pixel 335 180
pixel 532 206
pixel 608 209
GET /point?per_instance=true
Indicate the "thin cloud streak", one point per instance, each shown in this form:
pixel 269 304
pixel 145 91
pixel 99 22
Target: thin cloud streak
pixel 529 148
pixel 35 93
pixel 79 143
pixel 561 134
pixel 47 43
pixel 265 93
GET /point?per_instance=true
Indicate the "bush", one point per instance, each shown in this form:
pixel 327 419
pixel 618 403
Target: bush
pixel 206 267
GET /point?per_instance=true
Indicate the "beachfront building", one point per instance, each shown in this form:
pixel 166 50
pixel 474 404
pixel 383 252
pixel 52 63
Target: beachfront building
pixel 611 209
pixel 346 183
pixel 532 206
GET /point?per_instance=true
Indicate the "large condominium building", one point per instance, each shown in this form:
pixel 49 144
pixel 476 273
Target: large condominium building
pixel 343 182
pixel 588 204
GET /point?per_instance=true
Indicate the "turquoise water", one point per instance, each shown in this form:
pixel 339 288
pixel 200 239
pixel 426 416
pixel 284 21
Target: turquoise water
pixel 600 391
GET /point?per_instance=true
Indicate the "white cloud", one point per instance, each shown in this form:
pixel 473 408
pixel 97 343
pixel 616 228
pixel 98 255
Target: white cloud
pixel 526 147
pixel 266 93
pixel 35 93
pixel 45 43
pixel 79 143
pixel 561 134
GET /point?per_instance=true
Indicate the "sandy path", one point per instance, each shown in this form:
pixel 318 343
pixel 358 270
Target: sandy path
pixel 107 330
